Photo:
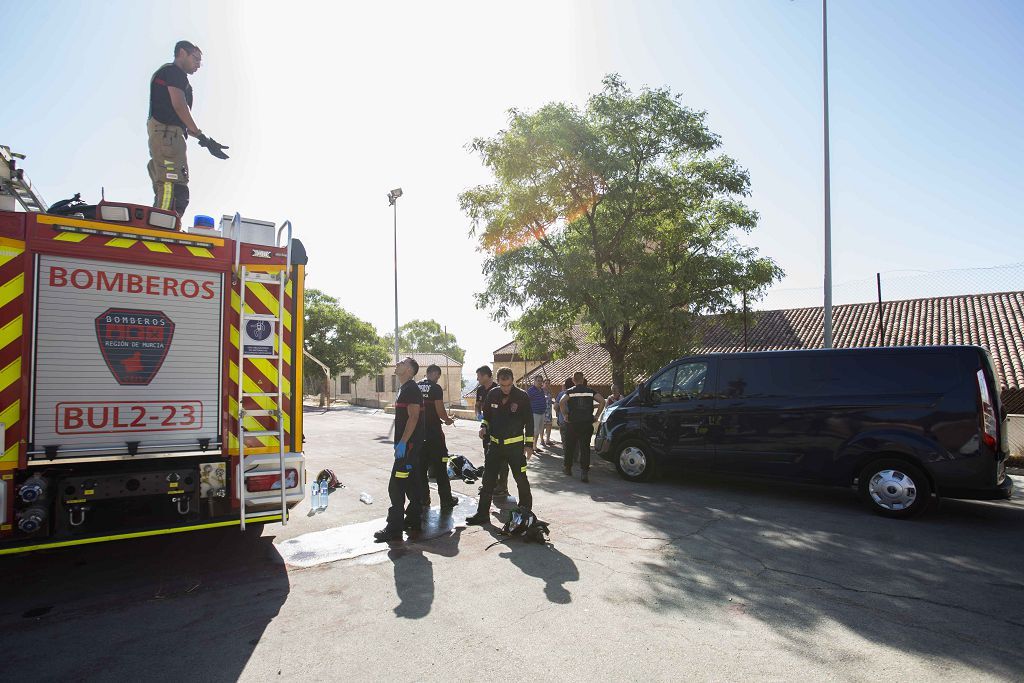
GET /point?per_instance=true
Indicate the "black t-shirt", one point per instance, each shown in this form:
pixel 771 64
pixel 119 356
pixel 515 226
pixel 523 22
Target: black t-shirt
pixel 431 392
pixel 481 394
pixel 160 108
pixel 408 395
pixel 581 403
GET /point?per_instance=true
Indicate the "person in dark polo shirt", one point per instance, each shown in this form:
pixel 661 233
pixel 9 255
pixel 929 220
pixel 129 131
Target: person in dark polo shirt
pixel 170 122
pixel 404 483
pixel 434 457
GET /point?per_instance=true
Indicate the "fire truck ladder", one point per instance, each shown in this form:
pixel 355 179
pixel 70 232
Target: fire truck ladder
pixel 13 181
pixel 280 280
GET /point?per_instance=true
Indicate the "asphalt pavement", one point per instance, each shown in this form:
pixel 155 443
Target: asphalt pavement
pixel 691 577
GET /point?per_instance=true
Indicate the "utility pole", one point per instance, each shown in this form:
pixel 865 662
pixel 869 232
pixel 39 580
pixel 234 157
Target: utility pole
pixel 827 328
pixel 393 201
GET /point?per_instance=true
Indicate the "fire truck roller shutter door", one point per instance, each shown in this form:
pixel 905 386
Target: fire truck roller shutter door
pixel 126 352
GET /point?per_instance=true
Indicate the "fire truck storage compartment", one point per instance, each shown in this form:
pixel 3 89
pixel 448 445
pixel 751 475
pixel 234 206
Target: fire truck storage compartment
pixel 127 359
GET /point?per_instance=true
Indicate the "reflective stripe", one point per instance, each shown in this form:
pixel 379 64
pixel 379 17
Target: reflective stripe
pixel 483 422
pixel 165 202
pixel 522 470
pixel 137 534
pixel 442 460
pixel 514 439
pixel 529 439
pixel 401 475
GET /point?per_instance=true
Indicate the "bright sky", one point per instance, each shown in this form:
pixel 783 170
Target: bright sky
pixel 327 106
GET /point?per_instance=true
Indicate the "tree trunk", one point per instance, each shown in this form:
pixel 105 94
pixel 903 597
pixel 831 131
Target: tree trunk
pixel 618 359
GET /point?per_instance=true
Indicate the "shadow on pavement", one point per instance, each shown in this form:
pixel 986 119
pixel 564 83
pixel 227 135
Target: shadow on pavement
pixel 545 562
pixel 414 573
pixel 184 606
pixel 795 557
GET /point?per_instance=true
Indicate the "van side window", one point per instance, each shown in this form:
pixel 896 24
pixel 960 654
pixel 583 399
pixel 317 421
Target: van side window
pixel 680 383
pixel 839 375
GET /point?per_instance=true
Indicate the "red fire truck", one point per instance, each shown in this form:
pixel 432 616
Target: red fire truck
pixel 150 377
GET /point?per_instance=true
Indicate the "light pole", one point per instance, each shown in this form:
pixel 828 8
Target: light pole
pixel 393 201
pixel 827 328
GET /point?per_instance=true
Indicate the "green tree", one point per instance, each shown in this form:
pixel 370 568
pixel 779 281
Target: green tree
pixel 620 217
pixel 339 340
pixel 425 336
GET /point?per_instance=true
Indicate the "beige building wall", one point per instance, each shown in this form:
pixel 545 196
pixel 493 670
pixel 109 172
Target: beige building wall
pixel 365 389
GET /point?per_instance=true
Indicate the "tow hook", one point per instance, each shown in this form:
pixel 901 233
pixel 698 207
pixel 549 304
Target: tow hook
pixel 76 515
pixel 183 503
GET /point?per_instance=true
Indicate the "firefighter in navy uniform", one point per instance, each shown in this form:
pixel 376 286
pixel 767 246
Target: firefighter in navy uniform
pixel 404 482
pixel 508 425
pixel 485 382
pixel 435 452
pixel 578 405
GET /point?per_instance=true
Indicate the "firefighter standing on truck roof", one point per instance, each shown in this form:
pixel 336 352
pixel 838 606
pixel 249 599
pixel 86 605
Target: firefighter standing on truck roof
pixel 507 415
pixel 170 123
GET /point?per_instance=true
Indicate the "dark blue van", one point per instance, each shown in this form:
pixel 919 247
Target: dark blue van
pixel 899 423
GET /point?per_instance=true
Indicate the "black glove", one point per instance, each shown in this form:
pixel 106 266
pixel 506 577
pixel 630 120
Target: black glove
pixel 216 149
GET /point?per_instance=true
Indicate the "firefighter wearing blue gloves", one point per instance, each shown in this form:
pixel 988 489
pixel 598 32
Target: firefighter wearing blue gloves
pixel 403 485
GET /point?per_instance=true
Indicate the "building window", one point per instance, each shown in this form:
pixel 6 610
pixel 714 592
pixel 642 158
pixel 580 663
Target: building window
pixel 380 384
pixel 344 384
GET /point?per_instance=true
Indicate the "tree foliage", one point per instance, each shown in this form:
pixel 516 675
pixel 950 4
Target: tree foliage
pixel 426 336
pixel 339 339
pixel 621 217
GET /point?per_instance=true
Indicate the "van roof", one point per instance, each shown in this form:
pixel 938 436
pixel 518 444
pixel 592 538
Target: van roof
pixel 867 350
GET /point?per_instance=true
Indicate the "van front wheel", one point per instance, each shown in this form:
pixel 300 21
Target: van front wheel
pixel 634 460
pixel 894 488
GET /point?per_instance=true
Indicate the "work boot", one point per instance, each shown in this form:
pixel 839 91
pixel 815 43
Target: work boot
pixel 386 535
pixel 503 493
pixel 452 503
pixel 585 477
pixel 479 519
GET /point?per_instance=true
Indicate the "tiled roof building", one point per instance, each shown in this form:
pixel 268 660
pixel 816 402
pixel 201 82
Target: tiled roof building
pixel 992 321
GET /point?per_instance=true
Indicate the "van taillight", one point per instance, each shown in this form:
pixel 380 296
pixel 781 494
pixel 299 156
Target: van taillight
pixel 988 413
pixel 271 482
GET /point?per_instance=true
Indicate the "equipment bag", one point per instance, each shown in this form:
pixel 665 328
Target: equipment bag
pixel 459 467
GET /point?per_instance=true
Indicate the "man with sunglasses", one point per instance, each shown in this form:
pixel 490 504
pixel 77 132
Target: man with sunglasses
pixel 170 123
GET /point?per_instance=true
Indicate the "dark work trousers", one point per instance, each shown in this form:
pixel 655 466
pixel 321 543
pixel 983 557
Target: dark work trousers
pixel 435 464
pixel 402 486
pixel 579 434
pixel 503 475
pixel 568 447
pixel 501 458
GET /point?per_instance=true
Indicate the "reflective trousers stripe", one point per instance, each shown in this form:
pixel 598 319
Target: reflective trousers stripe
pixel 401 475
pixel 165 202
pixel 514 439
